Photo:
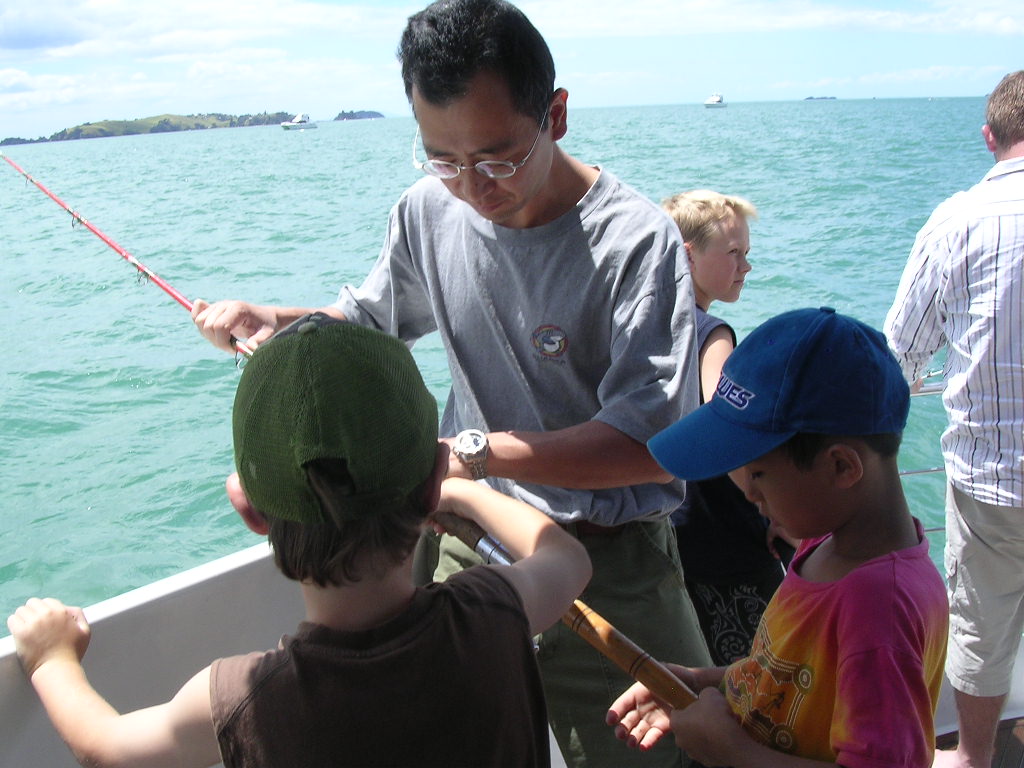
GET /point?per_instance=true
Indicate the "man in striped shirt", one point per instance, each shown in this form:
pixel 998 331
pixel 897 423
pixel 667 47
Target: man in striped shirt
pixel 963 290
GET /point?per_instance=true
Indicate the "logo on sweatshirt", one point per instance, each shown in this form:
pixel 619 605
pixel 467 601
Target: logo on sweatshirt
pixel 550 341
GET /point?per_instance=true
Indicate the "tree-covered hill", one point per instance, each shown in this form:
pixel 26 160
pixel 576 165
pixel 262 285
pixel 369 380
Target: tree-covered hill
pixel 156 124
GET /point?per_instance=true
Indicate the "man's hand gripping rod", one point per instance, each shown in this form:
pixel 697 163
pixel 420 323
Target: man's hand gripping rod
pixel 626 654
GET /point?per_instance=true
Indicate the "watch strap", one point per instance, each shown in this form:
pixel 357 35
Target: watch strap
pixel 477 467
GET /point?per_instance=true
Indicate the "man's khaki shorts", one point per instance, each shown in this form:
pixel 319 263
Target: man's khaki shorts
pixel 984 560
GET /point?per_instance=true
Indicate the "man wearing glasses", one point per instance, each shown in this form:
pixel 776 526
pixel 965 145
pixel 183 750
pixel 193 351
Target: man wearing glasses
pixel 564 302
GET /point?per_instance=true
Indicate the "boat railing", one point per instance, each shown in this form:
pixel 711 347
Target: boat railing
pixel 926 389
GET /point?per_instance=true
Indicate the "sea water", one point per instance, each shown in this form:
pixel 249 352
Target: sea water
pixel 115 414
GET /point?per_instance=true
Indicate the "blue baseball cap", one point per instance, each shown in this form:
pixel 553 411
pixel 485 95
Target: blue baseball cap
pixel 808 370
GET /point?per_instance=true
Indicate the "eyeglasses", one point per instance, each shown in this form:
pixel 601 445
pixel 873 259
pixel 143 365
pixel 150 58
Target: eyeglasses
pixel 492 169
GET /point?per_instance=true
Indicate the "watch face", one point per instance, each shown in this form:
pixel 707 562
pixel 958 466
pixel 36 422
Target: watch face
pixel 470 441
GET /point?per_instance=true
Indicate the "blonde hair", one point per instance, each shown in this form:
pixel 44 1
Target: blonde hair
pixel 698 213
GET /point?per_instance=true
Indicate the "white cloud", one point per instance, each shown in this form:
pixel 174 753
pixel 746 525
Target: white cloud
pixel 192 55
pixel 17 86
pixel 129 58
pixel 567 19
pixel 37 24
pixel 13 80
pixel 120 27
pixel 20 91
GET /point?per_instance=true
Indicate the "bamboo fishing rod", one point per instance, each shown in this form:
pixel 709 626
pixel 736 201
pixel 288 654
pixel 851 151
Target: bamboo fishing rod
pixel 142 268
pixel 585 622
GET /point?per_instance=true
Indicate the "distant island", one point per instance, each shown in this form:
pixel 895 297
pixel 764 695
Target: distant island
pixel 360 115
pixel 171 123
pixel 818 98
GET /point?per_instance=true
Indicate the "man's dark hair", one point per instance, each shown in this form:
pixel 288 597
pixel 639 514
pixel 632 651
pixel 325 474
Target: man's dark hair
pixel 450 42
pixel 340 551
pixel 803 447
pixel 1004 111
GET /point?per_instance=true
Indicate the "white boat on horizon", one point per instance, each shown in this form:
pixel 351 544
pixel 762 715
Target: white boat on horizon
pixel 300 122
pixel 714 101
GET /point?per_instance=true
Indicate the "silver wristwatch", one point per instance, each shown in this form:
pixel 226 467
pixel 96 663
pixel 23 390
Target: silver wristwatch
pixel 470 448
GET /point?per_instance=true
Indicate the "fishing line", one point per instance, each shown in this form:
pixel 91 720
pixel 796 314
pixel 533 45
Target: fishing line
pixel 142 268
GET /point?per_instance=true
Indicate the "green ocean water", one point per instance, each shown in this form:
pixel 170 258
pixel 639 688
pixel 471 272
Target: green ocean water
pixel 115 413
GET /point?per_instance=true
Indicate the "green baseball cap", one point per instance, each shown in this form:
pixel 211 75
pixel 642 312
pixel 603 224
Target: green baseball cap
pixel 327 389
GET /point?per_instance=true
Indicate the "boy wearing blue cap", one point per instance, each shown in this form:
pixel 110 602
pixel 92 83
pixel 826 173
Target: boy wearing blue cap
pixel 847 661
pixel 339 464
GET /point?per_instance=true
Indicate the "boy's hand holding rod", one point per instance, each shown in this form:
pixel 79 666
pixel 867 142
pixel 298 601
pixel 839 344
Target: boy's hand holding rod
pixel 629 657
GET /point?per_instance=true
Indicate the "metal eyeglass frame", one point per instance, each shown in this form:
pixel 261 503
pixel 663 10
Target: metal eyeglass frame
pixel 491 169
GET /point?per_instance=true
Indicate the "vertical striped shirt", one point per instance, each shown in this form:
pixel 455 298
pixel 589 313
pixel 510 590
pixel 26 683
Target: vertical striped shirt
pixel 963 289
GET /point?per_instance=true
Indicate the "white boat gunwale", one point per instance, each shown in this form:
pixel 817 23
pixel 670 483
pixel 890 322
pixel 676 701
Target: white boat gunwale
pixel 147 642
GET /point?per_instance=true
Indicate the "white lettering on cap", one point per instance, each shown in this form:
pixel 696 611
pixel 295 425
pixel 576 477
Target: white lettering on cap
pixel 733 393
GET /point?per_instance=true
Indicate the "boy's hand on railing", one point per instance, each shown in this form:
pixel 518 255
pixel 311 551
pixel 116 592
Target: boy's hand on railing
pixel 47 630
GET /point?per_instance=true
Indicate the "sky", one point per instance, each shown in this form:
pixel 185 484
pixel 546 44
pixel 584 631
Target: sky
pixel 67 62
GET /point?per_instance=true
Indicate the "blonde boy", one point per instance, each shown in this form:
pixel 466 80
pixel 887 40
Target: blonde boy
pixel 730 568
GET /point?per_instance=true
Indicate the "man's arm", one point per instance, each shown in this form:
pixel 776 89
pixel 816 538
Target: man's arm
pixel 51 639
pixel 913 326
pixel 224 321
pixel 551 567
pixel 591 455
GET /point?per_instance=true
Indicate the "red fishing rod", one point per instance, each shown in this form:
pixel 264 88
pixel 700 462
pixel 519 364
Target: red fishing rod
pixel 75 216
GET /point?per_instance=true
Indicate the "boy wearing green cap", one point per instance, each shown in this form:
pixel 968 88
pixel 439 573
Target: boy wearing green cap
pixel 338 463
pixel 846 664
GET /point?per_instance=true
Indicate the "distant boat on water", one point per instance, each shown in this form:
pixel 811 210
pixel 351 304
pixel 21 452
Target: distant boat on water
pixel 300 122
pixel 714 101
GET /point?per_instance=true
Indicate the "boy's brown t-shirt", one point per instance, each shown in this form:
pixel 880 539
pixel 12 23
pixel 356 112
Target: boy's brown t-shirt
pixel 452 681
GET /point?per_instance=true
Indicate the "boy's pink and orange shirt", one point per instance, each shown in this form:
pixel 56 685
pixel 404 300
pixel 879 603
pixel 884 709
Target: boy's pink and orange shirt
pixel 848 671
